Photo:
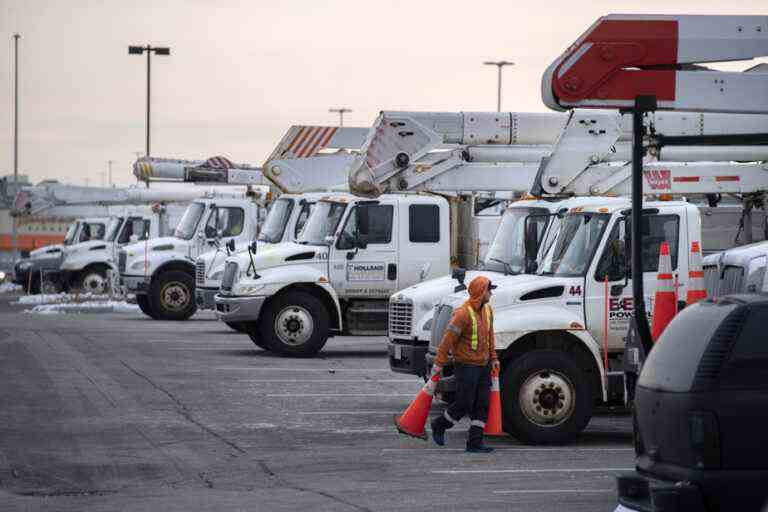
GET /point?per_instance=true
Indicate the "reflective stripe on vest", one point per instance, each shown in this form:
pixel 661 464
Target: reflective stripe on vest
pixel 473 316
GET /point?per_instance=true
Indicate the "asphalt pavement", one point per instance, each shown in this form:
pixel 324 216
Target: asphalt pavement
pixel 120 412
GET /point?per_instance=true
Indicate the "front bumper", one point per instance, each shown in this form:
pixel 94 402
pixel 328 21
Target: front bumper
pixel 136 284
pixel 238 309
pixel 205 298
pixel 639 493
pixel 407 356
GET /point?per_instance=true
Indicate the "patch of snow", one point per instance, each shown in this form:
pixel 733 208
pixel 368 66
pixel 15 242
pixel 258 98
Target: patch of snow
pixel 85 307
pixel 58 298
pixel 10 287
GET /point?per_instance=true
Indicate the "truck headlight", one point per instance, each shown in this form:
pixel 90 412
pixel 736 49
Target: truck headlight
pixel 247 289
pixel 24 265
pixel 137 265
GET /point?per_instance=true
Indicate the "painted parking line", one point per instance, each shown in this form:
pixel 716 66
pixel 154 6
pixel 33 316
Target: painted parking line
pixel 499 448
pixel 558 491
pixel 278 369
pixel 341 395
pixel 529 471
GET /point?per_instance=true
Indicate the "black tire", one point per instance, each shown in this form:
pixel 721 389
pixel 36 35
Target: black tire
pixel 566 397
pixel 34 284
pixel 252 330
pixel 237 326
pixel 93 280
pixel 145 306
pixel 294 310
pixel 172 296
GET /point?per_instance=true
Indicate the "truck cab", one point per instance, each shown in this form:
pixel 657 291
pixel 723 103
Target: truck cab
pixel 339 274
pixel 738 270
pixel 161 271
pixel 560 333
pixel 283 223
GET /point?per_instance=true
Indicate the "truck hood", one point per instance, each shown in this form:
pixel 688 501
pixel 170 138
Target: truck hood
pixel 510 289
pixel 163 243
pixel 87 246
pixel 49 251
pixel 286 253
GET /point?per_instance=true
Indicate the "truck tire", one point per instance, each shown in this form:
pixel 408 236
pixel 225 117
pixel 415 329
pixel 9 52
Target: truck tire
pixel 144 305
pixel 236 326
pixel 252 330
pixel 93 280
pixel 294 324
pixel 172 296
pixel 545 398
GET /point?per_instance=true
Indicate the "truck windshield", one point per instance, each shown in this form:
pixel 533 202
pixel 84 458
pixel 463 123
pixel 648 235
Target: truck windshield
pixel 579 236
pixel 277 218
pixel 507 251
pixel 69 238
pixel 322 222
pixel 113 228
pixel 188 223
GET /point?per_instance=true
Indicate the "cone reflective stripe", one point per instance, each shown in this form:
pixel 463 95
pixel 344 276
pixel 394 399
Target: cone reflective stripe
pixel 664 303
pixel 696 289
pixel 413 420
pixel 493 424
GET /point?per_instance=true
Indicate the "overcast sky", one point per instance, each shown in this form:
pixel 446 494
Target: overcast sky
pixel 240 73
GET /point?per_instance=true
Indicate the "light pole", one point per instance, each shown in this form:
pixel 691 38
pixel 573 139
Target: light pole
pixel 15 139
pixel 109 167
pixel 341 112
pixel 499 64
pixel 158 50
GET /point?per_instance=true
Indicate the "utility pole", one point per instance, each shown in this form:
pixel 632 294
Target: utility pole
pixel 109 166
pixel 341 111
pixel 14 226
pixel 138 50
pixel 499 64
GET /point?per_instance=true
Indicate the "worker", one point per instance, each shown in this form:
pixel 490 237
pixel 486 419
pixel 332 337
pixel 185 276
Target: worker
pixel 469 337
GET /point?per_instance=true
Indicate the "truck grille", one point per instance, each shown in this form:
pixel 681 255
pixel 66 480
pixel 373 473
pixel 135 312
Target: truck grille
pixel 400 317
pixel 122 258
pixel 443 314
pixel 711 278
pixel 732 281
pixel 228 278
pixel 200 272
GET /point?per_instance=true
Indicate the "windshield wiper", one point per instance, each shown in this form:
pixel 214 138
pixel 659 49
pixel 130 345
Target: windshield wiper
pixel 507 266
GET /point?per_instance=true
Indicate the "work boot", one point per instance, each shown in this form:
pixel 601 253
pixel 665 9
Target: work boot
pixel 475 441
pixel 439 426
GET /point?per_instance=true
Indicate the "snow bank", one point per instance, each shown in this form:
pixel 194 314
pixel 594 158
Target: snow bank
pixel 10 287
pixel 57 298
pixel 85 307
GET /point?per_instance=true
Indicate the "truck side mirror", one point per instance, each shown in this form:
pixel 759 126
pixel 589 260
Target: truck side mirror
pixel 253 247
pixel 531 246
pixel 459 274
pixel 219 233
pixel 231 245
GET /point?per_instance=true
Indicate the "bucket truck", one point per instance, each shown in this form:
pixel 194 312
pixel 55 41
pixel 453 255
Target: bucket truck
pixel 557 318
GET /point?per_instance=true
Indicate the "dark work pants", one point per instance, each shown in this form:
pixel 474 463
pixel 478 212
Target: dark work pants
pixel 473 389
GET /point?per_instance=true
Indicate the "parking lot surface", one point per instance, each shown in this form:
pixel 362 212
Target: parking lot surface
pixel 119 412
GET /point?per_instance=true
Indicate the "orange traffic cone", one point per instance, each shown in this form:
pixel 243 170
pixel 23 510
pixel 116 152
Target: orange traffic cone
pixel 493 424
pixel 413 420
pixel 664 304
pixel 696 289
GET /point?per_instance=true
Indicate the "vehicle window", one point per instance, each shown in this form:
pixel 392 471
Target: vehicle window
pixel 379 226
pixel 576 243
pixel 227 219
pixel 306 210
pixel 507 250
pixel 114 226
pixel 674 360
pixel 188 223
pixel 135 226
pixel 85 233
pixel 657 229
pixel 97 230
pixel 424 223
pixel 322 222
pixel 747 365
pixel 69 238
pixel 612 263
pixel 277 218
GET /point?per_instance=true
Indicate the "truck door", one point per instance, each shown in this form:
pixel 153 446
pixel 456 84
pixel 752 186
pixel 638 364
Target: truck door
pixel 614 263
pixel 224 223
pixel 363 259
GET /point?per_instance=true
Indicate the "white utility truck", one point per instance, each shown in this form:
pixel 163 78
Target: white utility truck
pixel 285 220
pixel 86 265
pixel 161 271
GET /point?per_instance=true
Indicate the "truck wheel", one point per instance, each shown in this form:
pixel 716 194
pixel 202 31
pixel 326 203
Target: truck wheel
pixel 93 280
pixel 236 326
pixel 172 296
pixel 546 398
pixel 145 306
pixel 294 324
